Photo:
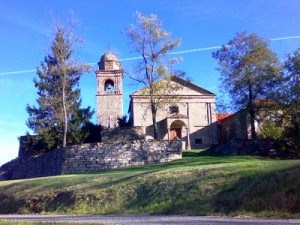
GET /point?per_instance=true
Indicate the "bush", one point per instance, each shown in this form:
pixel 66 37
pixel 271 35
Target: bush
pixel 271 130
pixel 93 133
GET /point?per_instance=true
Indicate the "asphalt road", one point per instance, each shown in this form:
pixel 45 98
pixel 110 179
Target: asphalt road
pixel 150 220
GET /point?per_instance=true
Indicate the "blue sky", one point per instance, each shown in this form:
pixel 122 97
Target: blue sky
pixel 26 35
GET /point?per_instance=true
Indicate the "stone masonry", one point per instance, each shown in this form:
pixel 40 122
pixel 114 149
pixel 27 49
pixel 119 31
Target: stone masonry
pixel 92 157
pixel 99 156
pixel 109 97
pixel 109 109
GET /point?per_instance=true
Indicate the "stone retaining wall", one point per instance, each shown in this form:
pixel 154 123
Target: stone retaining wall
pixel 244 147
pixel 92 157
pixel 99 156
pixel 262 147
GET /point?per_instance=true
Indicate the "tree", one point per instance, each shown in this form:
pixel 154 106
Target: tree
pixel 58 116
pixel 93 132
pixel 290 95
pixel 153 43
pixel 249 70
pixel 123 122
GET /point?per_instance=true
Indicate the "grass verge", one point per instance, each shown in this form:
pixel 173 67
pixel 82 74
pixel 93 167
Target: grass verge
pixel 198 184
pixel 16 222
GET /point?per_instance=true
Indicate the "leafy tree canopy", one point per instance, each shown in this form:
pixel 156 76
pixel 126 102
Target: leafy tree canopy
pixel 249 71
pixel 290 96
pixel 153 44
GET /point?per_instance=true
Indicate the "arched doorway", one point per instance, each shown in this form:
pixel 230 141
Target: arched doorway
pixel 176 129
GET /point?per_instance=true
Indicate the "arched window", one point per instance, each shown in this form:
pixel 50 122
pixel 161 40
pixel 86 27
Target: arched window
pixel 109 86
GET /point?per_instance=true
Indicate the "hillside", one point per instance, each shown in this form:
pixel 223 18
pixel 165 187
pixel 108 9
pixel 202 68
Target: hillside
pixel 198 184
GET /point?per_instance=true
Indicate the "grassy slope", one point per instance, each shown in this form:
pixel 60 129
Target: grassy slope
pixel 198 184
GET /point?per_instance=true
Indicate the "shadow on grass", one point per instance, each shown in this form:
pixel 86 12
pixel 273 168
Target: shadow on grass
pixel 274 193
pixel 10 204
pixel 167 197
pixel 199 153
pixel 201 191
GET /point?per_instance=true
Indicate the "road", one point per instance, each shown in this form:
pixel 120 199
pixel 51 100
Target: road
pixel 150 220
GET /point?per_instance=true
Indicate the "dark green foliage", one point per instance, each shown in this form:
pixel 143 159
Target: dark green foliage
pixel 93 131
pixel 271 129
pixel 58 116
pixel 249 71
pixel 287 99
pixel 290 97
pixel 32 145
pixel 123 122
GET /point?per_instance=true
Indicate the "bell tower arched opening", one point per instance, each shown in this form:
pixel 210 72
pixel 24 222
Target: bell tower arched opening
pixel 109 86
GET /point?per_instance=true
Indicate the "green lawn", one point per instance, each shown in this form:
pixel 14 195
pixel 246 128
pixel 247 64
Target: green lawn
pixel 198 184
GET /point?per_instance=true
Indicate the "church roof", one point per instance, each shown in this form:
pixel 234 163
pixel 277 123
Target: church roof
pixel 180 81
pixel 108 57
pixel 222 116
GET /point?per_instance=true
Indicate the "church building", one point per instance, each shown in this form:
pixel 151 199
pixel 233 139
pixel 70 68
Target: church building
pixel 186 111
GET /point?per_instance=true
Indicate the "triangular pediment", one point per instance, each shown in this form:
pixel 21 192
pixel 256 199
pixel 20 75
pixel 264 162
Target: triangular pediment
pixel 174 85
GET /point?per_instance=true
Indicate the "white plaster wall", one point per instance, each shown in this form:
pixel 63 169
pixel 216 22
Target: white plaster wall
pixel 200 126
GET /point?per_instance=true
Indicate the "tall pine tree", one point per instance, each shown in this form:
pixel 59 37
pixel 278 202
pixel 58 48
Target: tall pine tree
pixel 58 116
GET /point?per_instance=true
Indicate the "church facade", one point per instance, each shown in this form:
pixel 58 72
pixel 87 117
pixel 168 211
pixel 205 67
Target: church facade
pixel 186 111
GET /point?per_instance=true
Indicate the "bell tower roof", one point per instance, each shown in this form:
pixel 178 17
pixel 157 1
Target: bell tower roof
pixel 109 61
pixel 108 57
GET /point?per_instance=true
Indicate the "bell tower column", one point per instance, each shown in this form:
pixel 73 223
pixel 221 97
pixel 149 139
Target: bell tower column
pixel 109 96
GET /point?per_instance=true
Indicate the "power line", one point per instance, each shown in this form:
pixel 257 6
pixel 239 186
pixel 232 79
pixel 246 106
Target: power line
pixel 172 53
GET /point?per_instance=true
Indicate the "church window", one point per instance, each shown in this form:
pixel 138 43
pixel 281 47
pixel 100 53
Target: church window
pixel 173 109
pixel 109 86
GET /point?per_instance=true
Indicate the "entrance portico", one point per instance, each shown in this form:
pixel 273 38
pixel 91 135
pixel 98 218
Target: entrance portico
pixel 178 129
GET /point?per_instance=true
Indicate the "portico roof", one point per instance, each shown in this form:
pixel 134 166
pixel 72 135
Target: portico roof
pixel 176 116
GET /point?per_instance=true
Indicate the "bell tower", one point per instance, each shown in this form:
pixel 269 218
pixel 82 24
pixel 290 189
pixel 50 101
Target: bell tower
pixel 109 96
